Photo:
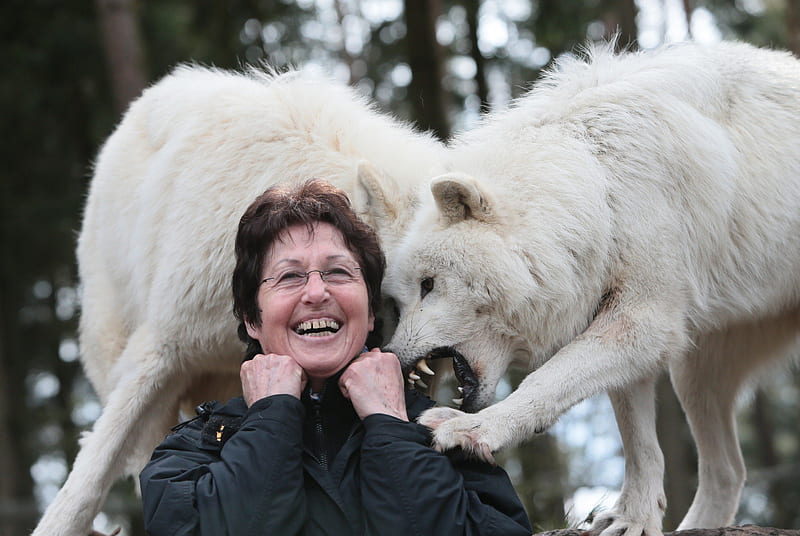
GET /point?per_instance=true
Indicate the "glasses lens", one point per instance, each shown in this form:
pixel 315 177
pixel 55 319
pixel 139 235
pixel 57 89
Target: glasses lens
pixel 290 281
pixel 293 281
pixel 340 275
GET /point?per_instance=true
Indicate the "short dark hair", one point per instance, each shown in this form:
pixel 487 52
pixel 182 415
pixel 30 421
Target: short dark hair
pixel 282 206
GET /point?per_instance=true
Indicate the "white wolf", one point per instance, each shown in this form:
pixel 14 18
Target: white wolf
pixel 155 252
pixel 631 212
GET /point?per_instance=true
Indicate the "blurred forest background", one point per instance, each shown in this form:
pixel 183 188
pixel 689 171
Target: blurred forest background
pixel 71 68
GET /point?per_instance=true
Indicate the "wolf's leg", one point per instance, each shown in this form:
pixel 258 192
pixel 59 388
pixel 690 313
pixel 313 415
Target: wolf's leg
pixel 641 504
pixel 707 391
pixel 150 431
pixel 628 341
pixel 104 331
pixel 707 383
pixel 148 380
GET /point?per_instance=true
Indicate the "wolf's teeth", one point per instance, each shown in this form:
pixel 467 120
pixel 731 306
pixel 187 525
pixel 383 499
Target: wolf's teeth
pixel 422 384
pixel 410 381
pixel 423 366
pixel 460 389
pixel 413 376
pixel 458 401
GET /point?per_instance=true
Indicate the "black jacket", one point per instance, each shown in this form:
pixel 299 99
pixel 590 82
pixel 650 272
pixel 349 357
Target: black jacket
pixel 286 466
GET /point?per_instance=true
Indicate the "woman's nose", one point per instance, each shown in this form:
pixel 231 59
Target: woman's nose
pixel 315 287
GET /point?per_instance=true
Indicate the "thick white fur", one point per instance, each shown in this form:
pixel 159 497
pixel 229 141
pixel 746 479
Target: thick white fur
pixel 156 248
pixel 630 213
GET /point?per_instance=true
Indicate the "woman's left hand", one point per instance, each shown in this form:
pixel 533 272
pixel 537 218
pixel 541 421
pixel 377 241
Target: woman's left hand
pixel 374 384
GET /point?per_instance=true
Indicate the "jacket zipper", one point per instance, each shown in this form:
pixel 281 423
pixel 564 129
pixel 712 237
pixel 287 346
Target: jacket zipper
pixel 203 411
pixel 319 437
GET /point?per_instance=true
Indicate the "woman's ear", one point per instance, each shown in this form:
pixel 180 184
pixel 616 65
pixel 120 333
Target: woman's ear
pixel 252 330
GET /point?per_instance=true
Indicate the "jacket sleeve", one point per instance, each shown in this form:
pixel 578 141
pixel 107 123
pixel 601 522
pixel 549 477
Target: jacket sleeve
pixel 253 485
pixel 410 488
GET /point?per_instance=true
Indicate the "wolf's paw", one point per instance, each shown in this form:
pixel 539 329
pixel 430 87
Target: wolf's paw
pixel 452 428
pixel 613 524
pixel 434 417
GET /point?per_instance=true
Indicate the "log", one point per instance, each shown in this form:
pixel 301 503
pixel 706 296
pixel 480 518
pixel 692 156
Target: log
pixel 744 530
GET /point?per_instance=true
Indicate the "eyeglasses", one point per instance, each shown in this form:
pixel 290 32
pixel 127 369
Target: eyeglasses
pixel 292 280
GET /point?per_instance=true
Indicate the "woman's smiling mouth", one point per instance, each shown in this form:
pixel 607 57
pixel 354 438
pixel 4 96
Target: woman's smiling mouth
pixel 317 327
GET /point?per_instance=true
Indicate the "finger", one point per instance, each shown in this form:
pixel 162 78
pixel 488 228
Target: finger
pixel 249 363
pixel 343 387
pixel 245 369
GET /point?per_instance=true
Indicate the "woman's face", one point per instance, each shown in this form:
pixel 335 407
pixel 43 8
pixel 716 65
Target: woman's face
pixel 322 325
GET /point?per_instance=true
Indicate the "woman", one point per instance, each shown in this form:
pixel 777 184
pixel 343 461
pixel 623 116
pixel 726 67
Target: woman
pixel 323 439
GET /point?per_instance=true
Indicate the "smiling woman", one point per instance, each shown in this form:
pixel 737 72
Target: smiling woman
pixel 323 440
pixel 322 321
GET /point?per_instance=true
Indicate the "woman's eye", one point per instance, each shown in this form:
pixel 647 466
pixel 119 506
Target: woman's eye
pixel 291 276
pixel 425 286
pixel 339 276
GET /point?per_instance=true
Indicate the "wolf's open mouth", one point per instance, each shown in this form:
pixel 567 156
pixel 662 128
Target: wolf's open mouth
pixel 467 382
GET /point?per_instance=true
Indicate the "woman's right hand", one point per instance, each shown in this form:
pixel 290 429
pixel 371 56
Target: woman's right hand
pixel 374 384
pixel 272 374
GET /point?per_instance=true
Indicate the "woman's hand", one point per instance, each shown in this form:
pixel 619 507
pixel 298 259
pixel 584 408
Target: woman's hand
pixel 374 384
pixel 267 375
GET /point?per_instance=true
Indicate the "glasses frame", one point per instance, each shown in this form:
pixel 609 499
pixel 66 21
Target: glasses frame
pixel 306 275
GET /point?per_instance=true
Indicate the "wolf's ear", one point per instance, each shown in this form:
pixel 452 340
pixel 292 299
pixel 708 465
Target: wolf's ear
pixel 381 207
pixel 459 197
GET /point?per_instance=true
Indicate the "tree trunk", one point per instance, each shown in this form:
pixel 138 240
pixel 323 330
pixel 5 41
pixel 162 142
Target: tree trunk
pixel 622 20
pixel 123 48
pixel 679 467
pixel 793 26
pixel 18 513
pixel 764 429
pixel 687 12
pixel 543 474
pixel 425 58
pixel 472 8
pixel 780 485
pixel 542 486
pixel 344 55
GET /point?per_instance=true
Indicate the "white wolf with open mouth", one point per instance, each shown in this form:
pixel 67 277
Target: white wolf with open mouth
pixel 156 255
pixel 631 213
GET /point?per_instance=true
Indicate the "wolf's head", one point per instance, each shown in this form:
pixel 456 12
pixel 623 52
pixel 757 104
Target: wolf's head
pixel 478 283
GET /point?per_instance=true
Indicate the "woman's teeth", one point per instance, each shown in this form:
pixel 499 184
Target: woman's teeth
pixel 317 327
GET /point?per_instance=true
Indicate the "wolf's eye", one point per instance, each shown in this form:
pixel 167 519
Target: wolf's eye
pixel 425 286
